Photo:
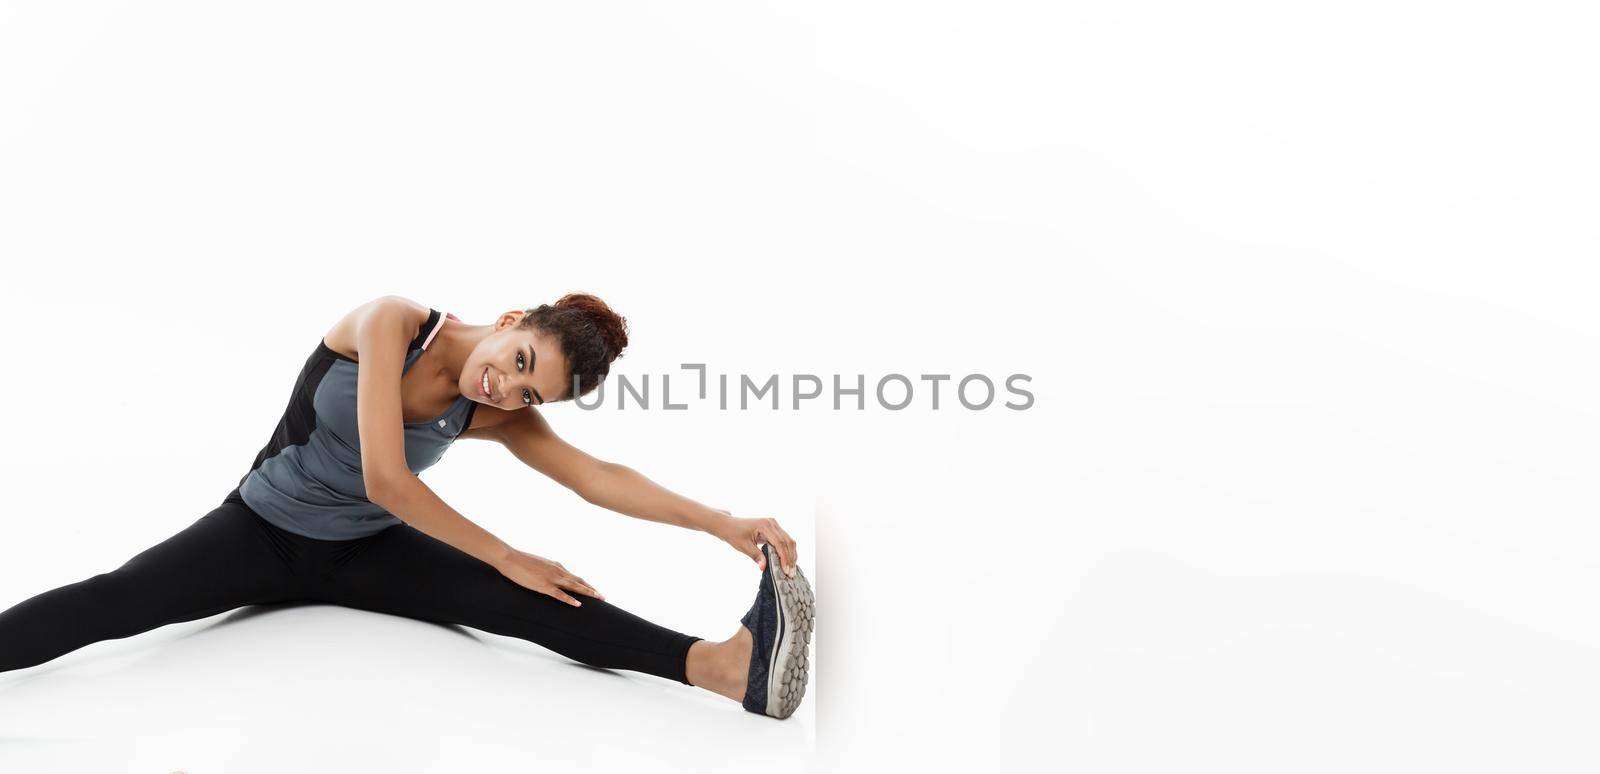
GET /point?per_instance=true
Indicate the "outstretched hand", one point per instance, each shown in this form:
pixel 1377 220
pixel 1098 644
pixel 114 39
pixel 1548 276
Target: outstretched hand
pixel 747 535
pixel 544 576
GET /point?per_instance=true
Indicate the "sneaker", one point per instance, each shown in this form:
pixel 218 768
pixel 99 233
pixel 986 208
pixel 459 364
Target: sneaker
pixel 780 621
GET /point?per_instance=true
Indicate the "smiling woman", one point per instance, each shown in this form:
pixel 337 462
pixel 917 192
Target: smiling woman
pixel 332 510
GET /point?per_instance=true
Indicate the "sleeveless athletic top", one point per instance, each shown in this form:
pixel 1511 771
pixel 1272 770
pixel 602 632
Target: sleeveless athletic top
pixel 307 479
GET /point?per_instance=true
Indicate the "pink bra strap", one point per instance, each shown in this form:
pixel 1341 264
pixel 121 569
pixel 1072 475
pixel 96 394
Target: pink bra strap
pixel 436 327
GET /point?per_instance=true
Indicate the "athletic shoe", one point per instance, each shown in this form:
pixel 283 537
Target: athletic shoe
pixel 780 621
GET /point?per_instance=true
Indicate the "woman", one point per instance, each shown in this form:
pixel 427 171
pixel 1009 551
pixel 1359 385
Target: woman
pixel 332 511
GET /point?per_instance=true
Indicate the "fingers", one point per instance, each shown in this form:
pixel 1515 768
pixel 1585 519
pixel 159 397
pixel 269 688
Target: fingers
pixel 752 533
pixel 563 596
pixel 780 541
pixel 792 550
pixel 573 583
pixel 566 580
pixel 753 551
pixel 578 584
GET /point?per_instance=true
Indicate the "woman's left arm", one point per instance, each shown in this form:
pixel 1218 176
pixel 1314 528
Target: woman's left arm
pixel 624 490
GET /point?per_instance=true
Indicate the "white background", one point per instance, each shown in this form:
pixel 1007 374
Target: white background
pixel 1305 292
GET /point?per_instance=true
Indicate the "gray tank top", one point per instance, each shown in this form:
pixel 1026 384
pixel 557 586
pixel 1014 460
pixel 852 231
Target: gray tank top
pixel 307 479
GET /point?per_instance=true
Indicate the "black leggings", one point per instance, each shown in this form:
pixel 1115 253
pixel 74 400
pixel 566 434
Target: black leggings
pixel 231 557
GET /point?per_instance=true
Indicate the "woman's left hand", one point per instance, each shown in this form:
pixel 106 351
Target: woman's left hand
pixel 746 536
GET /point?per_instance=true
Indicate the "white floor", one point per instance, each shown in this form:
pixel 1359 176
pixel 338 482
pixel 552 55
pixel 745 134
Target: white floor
pixel 325 688
pixel 1305 291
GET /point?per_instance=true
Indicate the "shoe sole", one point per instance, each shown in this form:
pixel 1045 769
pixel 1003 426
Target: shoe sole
pixel 790 665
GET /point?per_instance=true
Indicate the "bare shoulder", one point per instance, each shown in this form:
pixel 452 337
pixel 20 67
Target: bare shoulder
pixel 341 338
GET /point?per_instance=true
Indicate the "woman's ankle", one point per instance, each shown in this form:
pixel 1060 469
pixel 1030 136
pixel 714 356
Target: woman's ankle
pixel 723 667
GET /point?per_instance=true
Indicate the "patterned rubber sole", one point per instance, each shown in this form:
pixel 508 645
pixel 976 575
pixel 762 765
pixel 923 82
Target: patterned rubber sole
pixel 786 681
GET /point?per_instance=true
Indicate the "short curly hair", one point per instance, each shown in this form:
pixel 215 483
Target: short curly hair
pixel 591 336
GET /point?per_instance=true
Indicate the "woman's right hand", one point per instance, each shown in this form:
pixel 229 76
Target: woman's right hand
pixel 544 576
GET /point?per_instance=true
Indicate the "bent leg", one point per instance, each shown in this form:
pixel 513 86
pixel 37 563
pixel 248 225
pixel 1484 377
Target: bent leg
pixel 402 571
pixel 226 559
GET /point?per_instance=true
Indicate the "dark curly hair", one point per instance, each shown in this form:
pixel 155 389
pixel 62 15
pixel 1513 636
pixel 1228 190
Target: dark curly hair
pixel 591 336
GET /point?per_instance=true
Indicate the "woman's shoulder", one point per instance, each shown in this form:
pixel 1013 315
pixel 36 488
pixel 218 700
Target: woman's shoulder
pixel 341 338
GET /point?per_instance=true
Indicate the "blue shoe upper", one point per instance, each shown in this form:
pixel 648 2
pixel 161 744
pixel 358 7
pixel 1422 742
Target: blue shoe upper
pixel 762 621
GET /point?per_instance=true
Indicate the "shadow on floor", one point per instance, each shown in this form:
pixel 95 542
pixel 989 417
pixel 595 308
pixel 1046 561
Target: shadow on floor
pixel 254 611
pixel 232 618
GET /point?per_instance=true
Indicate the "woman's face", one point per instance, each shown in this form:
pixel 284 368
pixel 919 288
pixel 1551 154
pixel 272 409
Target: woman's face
pixel 524 367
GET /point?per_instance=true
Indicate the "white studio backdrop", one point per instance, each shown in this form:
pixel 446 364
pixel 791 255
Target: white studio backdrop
pixel 1305 293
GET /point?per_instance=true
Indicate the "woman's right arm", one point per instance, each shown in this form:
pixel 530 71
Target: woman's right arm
pixel 383 329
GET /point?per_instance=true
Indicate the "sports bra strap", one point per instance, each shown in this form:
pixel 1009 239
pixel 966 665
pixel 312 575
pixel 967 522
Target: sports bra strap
pixel 436 327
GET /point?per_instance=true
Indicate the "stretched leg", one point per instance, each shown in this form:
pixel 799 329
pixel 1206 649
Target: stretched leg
pixel 226 559
pixel 402 571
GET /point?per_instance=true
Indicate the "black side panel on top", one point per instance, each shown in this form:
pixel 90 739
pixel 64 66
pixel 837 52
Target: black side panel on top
pixel 300 418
